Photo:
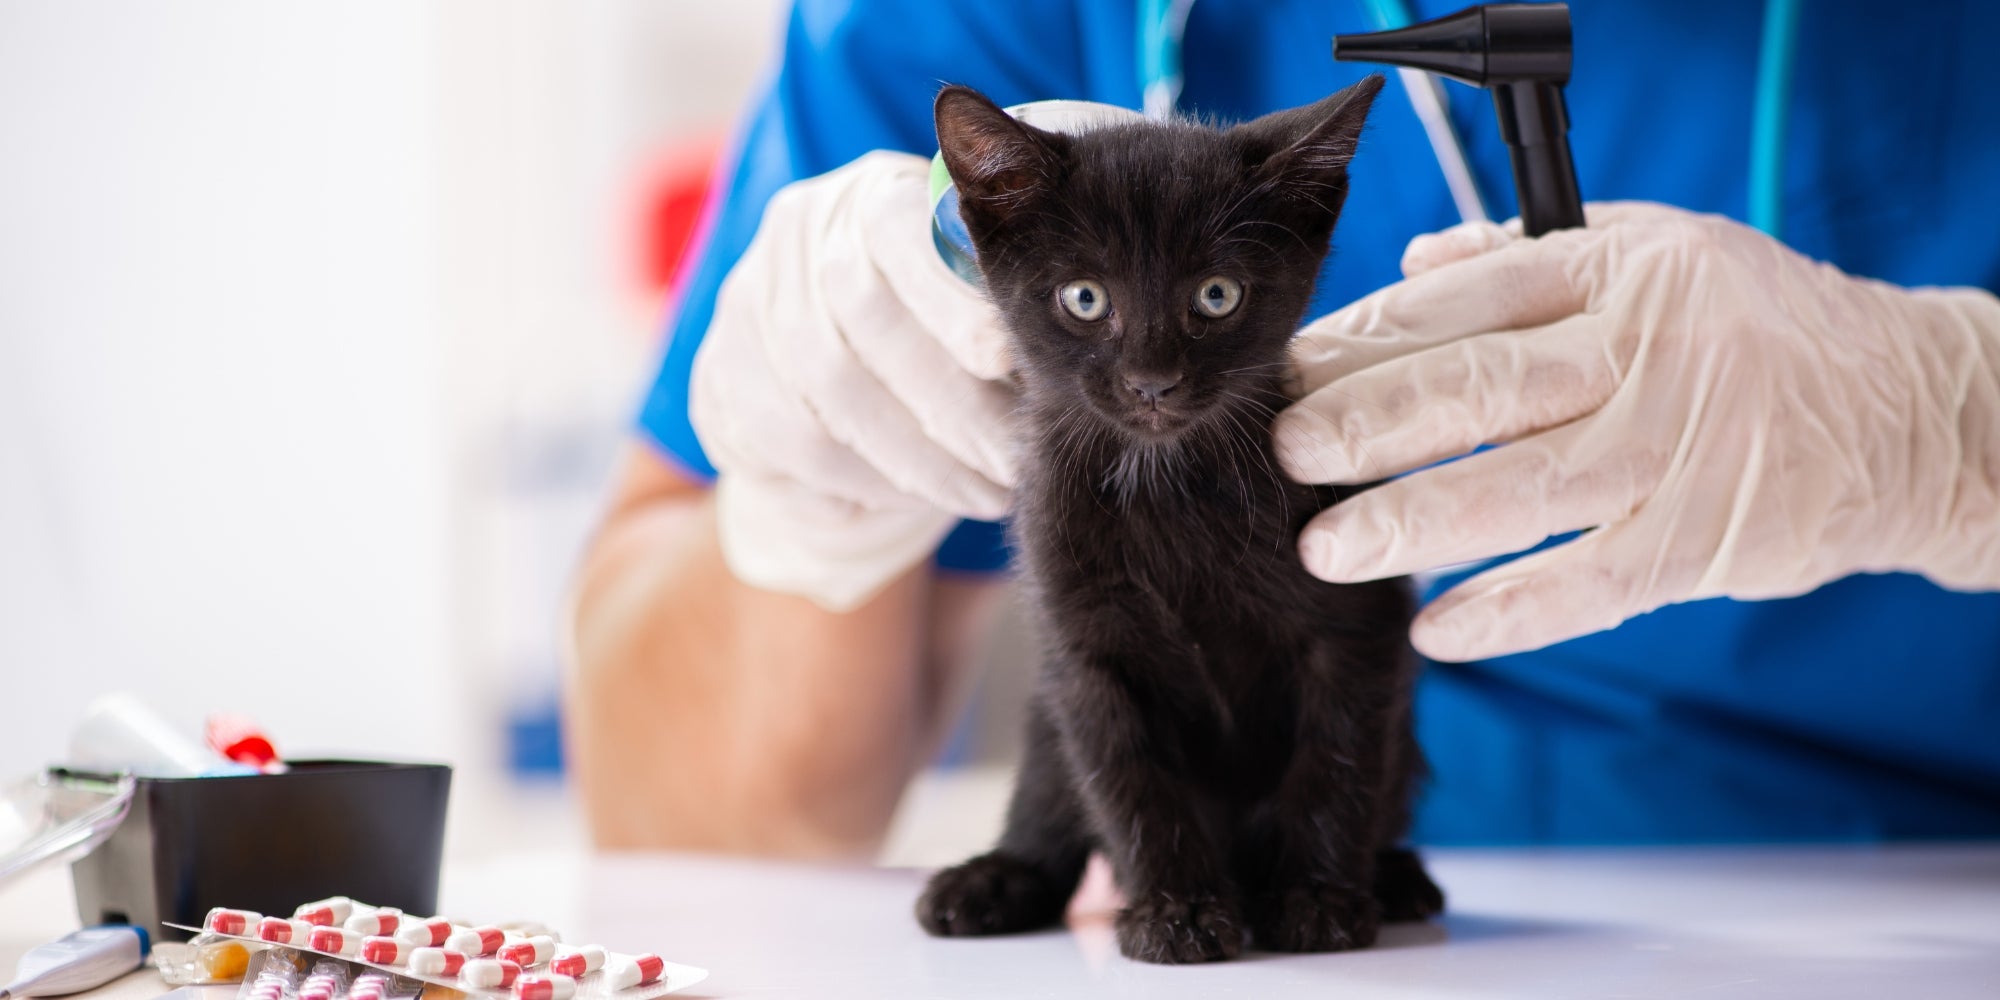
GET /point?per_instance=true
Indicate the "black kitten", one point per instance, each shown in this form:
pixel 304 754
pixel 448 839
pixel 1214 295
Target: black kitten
pixel 1231 732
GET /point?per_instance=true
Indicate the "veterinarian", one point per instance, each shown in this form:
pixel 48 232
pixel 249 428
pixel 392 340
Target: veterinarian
pixel 1787 439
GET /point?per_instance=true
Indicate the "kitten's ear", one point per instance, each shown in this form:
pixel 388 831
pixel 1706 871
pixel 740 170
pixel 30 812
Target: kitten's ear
pixel 996 162
pixel 1311 145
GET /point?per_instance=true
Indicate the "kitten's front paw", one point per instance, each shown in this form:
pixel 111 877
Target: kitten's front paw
pixel 994 893
pixel 1316 917
pixel 1404 889
pixel 1177 930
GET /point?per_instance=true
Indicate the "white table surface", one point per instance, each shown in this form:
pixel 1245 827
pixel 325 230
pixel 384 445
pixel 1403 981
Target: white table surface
pixel 1899 922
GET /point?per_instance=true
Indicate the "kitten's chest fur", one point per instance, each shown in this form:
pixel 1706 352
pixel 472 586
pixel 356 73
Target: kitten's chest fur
pixel 1187 562
pixel 1207 529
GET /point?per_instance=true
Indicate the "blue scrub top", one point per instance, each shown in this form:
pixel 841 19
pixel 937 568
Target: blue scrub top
pixel 1867 709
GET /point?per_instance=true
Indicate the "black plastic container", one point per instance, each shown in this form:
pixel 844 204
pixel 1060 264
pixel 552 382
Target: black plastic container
pixel 269 842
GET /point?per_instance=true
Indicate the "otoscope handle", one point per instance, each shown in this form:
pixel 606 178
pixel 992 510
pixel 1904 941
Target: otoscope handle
pixel 1534 122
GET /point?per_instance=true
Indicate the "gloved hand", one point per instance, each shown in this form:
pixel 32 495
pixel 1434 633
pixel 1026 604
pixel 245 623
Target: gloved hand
pixel 846 391
pixel 1731 418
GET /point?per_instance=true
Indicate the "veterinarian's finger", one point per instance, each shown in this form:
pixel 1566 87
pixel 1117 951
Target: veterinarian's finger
pixel 1411 411
pixel 1527 283
pixel 1431 251
pixel 857 410
pixel 895 221
pixel 965 415
pixel 1481 506
pixel 750 422
pixel 1588 585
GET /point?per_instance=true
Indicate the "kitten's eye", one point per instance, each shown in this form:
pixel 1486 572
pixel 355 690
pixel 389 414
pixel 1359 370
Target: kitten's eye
pixel 1217 297
pixel 1086 300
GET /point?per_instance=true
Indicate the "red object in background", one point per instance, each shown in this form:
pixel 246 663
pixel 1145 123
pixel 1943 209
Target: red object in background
pixel 239 739
pixel 670 206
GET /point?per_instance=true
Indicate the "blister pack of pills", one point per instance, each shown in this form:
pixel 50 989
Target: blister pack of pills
pixel 205 960
pixel 525 962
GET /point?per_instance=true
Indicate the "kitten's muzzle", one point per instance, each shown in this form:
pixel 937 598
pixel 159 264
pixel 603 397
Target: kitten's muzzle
pixel 1151 388
pixel 1155 402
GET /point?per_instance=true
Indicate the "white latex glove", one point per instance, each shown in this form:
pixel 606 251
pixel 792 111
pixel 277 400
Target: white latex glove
pixel 1732 418
pixel 847 390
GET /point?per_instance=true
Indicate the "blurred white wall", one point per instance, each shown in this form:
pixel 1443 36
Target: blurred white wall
pixel 221 441
pixel 318 327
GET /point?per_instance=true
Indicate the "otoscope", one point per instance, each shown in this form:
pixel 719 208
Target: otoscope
pixel 1520 51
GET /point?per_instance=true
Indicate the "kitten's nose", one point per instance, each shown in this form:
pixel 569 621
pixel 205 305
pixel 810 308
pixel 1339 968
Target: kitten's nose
pixel 1152 386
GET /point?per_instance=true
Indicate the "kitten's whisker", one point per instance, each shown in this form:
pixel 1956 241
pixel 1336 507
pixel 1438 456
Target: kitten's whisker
pixel 1247 435
pixel 1252 368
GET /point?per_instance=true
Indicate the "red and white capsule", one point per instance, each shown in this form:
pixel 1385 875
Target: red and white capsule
pixel 463 940
pixel 545 986
pixel 384 950
pixel 436 962
pixel 329 912
pixel 529 952
pixel 223 920
pixel 626 971
pixel 578 962
pixel 334 940
pixel 489 973
pixel 424 933
pixel 278 930
pixel 476 942
pixel 381 921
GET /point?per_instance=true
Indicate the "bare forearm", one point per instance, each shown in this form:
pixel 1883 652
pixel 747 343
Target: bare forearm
pixel 707 714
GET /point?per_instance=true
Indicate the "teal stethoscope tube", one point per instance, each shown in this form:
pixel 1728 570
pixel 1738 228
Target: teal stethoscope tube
pixel 1767 128
pixel 1162 24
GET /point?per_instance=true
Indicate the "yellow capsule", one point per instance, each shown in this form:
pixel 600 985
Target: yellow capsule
pixel 224 961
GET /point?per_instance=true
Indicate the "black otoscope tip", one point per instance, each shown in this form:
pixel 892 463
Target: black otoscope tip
pixel 1453 45
pixel 1497 43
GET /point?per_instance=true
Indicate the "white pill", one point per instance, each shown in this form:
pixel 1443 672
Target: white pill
pixel 529 928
